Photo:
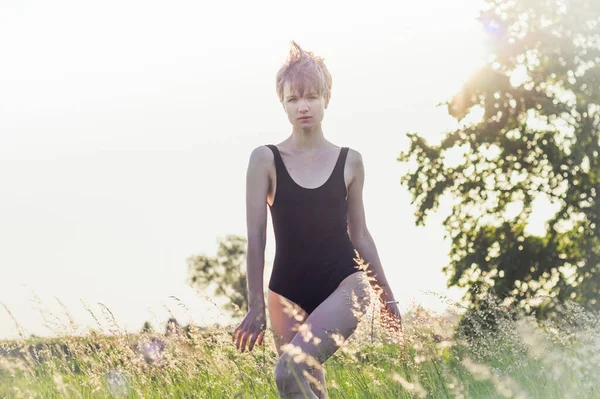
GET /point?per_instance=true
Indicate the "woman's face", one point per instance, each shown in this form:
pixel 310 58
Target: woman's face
pixel 304 111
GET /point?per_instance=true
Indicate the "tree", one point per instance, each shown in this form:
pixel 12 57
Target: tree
pixel 147 327
pixel 538 139
pixel 225 272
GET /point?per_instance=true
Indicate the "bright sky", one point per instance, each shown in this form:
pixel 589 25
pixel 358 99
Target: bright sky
pixel 126 128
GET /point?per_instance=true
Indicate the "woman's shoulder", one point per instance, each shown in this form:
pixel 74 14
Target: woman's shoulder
pixel 354 157
pixel 351 151
pixel 262 152
pixel 261 156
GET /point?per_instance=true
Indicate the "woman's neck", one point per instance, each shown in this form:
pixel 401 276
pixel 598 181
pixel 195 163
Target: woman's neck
pixel 307 140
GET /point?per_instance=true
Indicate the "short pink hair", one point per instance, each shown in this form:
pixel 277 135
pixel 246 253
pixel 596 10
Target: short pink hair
pixel 304 70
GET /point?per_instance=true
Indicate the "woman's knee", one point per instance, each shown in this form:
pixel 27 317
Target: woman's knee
pixel 287 374
pixel 294 370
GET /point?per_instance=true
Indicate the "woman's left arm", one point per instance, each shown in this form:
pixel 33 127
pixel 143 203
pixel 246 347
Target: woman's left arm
pixel 360 236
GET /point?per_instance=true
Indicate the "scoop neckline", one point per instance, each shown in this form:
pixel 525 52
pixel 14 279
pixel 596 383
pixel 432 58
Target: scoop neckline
pixel 307 188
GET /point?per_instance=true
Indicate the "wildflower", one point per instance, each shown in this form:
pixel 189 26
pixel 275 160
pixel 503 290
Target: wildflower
pixel 414 387
pixel 117 382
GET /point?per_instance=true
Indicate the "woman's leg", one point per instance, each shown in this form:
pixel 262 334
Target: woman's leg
pixel 286 317
pixel 328 326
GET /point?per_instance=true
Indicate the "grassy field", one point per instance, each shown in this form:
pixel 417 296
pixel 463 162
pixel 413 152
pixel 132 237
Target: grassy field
pixel 522 358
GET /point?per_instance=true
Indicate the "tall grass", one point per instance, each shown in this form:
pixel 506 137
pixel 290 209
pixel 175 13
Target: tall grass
pixel 520 358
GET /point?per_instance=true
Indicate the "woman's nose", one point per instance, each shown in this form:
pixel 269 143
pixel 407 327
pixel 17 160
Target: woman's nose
pixel 303 105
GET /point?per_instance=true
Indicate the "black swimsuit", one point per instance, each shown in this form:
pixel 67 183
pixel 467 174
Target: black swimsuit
pixel 313 249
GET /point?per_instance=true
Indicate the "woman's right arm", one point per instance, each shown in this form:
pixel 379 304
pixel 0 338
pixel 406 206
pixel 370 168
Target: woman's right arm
pixel 250 331
pixel 257 188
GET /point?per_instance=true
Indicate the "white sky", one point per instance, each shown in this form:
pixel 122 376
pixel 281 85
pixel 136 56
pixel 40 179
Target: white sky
pixel 126 128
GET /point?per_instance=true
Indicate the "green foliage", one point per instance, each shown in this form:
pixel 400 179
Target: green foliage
pixel 523 358
pixel 225 272
pixel 538 140
pixel 147 327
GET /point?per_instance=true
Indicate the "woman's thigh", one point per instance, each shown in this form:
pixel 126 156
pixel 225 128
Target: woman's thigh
pixel 285 317
pixel 335 319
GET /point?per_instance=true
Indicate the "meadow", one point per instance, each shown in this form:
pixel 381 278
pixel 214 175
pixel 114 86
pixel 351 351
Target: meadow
pixel 436 357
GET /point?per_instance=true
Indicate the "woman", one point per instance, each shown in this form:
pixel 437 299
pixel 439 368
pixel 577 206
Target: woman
pixel 314 191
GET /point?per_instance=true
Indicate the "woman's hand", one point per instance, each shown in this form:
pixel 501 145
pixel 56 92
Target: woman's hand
pixel 391 317
pixel 251 330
